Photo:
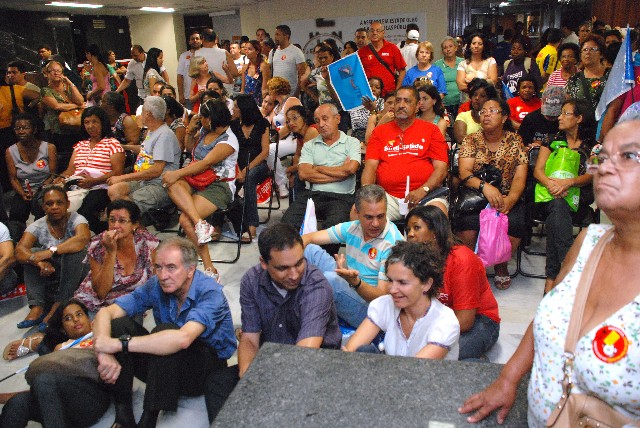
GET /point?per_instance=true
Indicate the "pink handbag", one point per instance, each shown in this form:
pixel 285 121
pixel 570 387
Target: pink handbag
pixel 493 246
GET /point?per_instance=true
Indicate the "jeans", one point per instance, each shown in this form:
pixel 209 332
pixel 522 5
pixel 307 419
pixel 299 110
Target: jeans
pixel 255 176
pixel 350 306
pixel 60 286
pixel 476 342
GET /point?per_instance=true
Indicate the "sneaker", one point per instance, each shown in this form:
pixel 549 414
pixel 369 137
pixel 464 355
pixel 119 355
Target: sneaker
pixel 212 274
pixel 283 192
pixel 204 231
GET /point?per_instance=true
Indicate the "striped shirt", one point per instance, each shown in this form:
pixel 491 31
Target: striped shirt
pixel 367 257
pixel 99 157
pixel 555 79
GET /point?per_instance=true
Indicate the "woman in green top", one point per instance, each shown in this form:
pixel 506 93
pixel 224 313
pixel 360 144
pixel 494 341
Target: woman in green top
pixel 60 95
pixel 449 66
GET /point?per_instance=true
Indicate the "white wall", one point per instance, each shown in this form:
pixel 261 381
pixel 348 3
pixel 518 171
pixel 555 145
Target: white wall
pixel 163 31
pixel 268 14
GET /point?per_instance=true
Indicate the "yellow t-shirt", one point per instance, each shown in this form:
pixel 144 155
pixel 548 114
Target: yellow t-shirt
pixel 6 105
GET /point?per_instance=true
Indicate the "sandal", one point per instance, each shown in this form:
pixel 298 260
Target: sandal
pixel 246 238
pixel 20 351
pixel 502 282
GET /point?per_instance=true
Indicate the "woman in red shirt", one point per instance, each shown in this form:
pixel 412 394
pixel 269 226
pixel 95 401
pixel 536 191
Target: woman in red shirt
pixel 466 289
pixel 526 101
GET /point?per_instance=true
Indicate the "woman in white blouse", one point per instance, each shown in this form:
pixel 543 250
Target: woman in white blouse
pixel 415 323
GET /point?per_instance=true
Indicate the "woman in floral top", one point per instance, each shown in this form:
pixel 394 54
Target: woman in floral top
pixel 121 258
pixel 607 353
pixel 594 74
pixel 498 146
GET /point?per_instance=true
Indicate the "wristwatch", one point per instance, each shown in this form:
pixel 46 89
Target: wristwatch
pixel 356 286
pixel 125 338
pixel 53 249
pixel 426 189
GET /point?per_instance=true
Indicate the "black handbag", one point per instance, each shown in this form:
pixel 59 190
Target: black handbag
pixel 468 200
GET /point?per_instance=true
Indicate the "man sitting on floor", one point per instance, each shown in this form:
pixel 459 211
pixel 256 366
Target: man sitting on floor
pixel 359 277
pixel 284 299
pixel 185 354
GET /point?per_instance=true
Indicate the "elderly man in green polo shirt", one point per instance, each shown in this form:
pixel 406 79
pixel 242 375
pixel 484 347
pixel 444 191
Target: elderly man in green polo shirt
pixel 328 164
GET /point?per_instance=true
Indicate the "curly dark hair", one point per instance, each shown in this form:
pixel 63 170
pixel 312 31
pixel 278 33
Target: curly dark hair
pixel 424 259
pixel 486 48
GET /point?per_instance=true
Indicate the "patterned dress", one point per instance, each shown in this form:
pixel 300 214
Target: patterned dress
pixel 607 358
pixel 145 243
pixel 253 85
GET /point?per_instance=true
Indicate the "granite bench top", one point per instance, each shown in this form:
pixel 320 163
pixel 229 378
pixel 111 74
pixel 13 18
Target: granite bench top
pixel 291 386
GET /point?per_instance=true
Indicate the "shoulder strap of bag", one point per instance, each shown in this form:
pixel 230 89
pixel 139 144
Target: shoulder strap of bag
pixel 527 64
pixel 379 58
pixel 583 291
pixel 15 110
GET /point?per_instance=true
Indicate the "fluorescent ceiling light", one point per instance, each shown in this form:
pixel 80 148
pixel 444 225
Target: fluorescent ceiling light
pixel 158 9
pixel 71 4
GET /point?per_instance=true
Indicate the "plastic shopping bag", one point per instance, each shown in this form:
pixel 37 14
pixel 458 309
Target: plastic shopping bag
pixel 310 223
pixel 562 163
pixel 493 246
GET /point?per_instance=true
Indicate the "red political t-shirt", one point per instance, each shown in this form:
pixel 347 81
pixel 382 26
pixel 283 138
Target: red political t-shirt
pixel 391 55
pixel 466 285
pixel 409 152
pixel 520 108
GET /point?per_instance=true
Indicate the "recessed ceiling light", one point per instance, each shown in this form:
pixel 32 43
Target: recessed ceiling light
pixel 158 9
pixel 71 4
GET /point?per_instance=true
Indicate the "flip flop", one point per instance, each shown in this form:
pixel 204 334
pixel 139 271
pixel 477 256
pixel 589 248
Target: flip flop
pixel 21 351
pixel 502 282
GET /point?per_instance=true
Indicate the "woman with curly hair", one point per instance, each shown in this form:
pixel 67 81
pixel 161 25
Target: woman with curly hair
pixel 415 323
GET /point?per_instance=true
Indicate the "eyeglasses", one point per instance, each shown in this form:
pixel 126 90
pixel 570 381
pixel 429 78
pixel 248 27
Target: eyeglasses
pixel 118 220
pixel 587 50
pixel 568 113
pixel 489 111
pixel 374 30
pixel 621 160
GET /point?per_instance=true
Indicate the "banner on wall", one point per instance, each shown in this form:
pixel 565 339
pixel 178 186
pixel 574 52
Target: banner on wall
pixel 308 32
pixel 349 81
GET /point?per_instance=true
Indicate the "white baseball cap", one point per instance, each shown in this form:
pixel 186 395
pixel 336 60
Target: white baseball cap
pixel 413 35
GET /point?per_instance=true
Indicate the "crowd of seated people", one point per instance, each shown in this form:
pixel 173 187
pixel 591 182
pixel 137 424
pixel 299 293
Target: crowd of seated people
pixel 376 172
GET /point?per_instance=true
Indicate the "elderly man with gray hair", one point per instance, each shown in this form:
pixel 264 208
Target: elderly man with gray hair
pixel 158 153
pixel 358 276
pixel 328 163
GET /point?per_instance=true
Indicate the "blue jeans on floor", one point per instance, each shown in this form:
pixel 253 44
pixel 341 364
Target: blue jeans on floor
pixel 477 341
pixel 350 306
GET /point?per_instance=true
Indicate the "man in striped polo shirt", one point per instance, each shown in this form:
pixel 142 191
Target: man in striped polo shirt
pixel 359 277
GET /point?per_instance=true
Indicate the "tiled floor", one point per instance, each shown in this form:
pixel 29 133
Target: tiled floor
pixel 517 307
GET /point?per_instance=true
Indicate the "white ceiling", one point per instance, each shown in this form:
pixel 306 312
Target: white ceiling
pixel 128 7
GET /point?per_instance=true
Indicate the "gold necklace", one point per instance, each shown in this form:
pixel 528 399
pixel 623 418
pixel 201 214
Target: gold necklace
pixel 52 230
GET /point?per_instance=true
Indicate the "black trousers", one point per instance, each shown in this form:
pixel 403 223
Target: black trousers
pixel 92 206
pixel 57 400
pixel 189 372
pixel 331 209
